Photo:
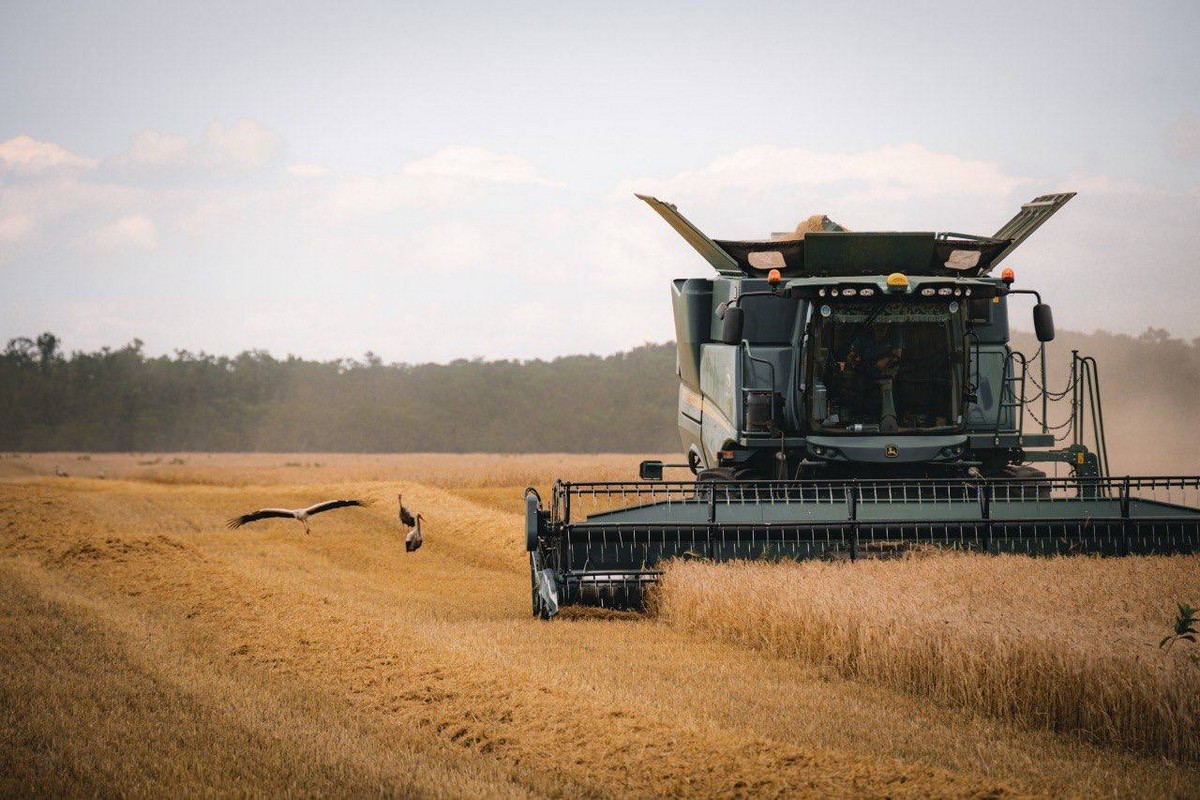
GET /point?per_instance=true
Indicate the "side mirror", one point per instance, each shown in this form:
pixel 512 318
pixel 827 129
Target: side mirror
pixel 731 329
pixel 1043 323
pixel 650 470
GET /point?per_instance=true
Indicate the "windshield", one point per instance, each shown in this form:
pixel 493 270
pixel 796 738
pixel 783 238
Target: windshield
pixel 885 367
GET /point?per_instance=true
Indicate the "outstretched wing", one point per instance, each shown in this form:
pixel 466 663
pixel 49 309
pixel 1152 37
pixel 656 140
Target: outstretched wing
pixel 262 513
pixel 328 505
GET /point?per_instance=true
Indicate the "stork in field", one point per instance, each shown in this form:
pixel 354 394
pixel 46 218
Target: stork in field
pixel 413 522
pixel 301 514
pixel 406 516
pixel 414 539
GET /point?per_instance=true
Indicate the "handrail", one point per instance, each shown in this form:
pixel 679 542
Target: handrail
pixel 1087 399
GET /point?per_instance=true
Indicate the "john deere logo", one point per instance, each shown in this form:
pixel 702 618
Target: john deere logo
pixel 891 451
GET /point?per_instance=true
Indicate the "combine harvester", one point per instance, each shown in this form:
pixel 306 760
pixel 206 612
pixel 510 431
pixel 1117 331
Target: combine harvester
pixel 851 395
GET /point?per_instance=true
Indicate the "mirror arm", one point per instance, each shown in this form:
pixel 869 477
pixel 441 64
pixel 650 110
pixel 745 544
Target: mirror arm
pixel 733 302
pixel 1036 294
pixel 1043 321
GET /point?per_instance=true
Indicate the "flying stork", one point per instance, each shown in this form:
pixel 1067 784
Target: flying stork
pixel 301 514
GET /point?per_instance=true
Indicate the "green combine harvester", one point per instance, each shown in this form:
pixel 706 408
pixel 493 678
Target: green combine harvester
pixel 852 395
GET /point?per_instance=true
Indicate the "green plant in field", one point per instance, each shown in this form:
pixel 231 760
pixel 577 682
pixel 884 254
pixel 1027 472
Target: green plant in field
pixel 1185 627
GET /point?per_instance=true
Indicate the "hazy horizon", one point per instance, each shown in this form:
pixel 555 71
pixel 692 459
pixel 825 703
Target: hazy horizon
pixel 1022 339
pixel 431 183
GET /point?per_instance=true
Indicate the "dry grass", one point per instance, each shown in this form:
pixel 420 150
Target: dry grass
pixel 103 704
pixel 1068 644
pixel 147 650
pixel 445 470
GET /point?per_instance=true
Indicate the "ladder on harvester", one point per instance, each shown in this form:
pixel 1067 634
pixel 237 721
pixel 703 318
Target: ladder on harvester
pixel 1012 392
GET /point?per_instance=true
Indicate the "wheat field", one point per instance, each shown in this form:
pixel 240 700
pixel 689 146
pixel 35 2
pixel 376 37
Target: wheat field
pixel 147 650
pixel 1068 644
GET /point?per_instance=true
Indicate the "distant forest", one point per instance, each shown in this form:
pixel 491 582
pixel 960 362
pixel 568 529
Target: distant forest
pixel 124 400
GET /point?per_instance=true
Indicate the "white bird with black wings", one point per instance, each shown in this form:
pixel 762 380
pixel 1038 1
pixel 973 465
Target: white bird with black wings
pixel 413 522
pixel 301 514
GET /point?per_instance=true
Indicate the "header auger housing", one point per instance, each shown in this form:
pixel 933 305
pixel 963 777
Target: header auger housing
pixel 847 394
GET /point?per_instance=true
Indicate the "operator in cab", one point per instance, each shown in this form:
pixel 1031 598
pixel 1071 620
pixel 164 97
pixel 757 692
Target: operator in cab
pixel 877 351
pixel 873 360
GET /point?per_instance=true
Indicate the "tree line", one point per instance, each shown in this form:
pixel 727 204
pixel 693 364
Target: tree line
pixel 125 400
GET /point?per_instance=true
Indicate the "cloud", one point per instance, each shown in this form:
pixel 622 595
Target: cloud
pixel 245 144
pixel 15 228
pixel 444 177
pixel 1086 183
pixel 886 173
pixel 24 154
pixel 307 170
pixel 625 247
pixel 1183 137
pixel 468 239
pixel 155 149
pixel 212 212
pixel 369 196
pixel 136 232
pixel 448 245
pixel 442 248
pixel 478 163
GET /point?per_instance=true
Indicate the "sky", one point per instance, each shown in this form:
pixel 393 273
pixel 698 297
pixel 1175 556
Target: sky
pixel 432 181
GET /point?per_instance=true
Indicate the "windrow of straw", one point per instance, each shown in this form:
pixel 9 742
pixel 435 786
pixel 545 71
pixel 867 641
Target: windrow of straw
pixel 1066 644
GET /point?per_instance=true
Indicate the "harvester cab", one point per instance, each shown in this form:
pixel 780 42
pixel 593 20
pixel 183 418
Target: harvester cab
pixel 853 355
pixel 844 394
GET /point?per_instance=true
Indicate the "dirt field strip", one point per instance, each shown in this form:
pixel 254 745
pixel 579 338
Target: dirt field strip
pixel 155 725
pixel 432 657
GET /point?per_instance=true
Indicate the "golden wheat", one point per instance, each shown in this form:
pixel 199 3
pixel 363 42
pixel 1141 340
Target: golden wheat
pixel 1068 644
pixel 145 649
